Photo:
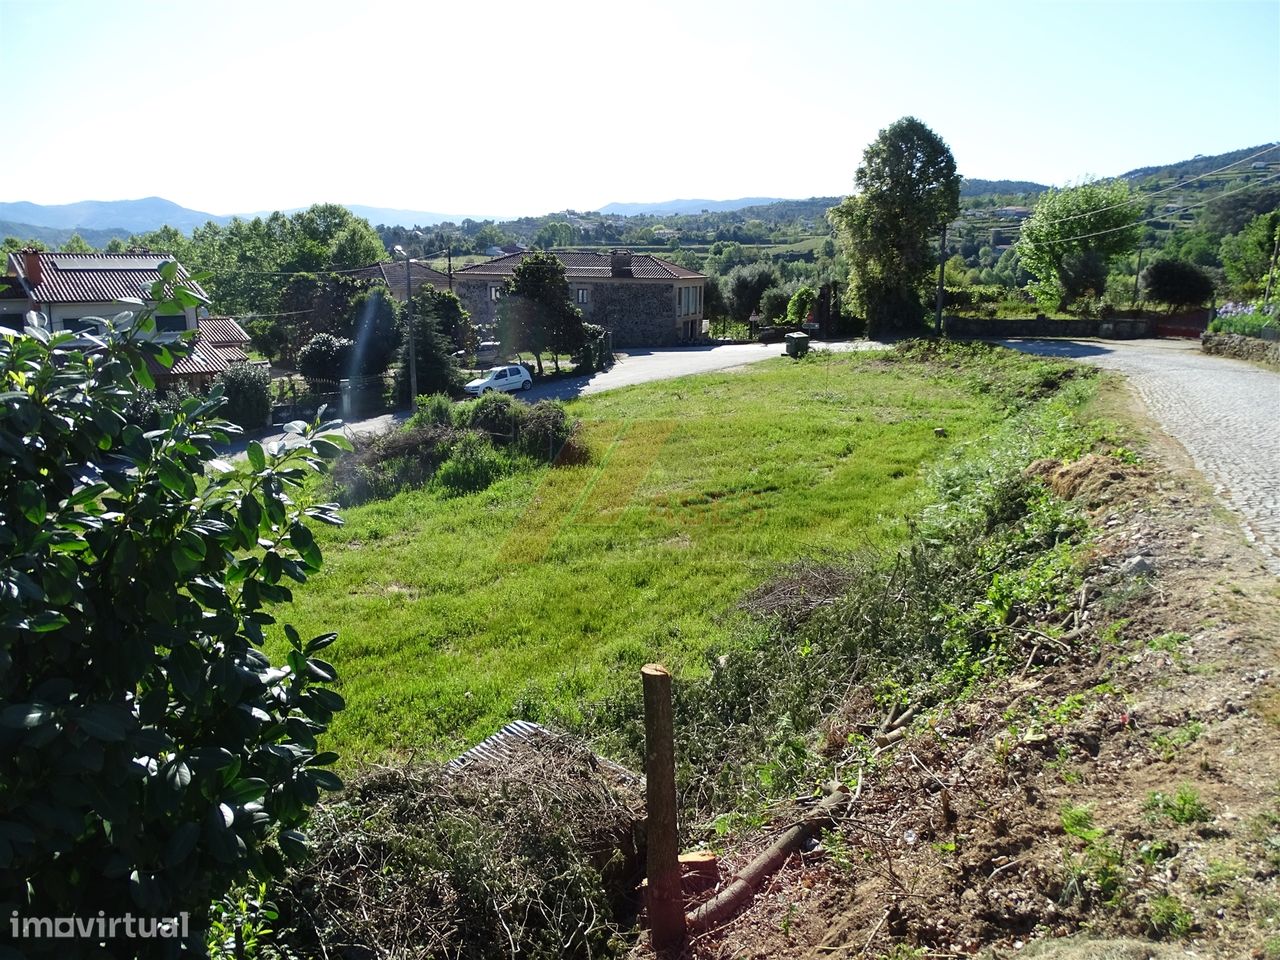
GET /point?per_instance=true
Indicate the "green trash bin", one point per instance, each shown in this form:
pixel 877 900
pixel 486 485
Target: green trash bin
pixel 797 344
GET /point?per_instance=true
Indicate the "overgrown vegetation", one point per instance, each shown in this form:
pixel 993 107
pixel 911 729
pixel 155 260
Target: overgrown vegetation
pixel 922 620
pixel 457 448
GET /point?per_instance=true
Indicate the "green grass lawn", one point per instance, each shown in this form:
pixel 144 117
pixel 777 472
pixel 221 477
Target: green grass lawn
pixel 555 585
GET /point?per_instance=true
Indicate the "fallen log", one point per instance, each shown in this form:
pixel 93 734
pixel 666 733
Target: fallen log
pixel 746 881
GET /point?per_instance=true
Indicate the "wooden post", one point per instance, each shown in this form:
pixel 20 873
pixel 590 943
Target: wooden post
pixel 666 897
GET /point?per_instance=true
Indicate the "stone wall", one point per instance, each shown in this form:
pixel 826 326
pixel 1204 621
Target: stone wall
pixel 1116 329
pixel 474 295
pixel 639 314
pixel 1242 348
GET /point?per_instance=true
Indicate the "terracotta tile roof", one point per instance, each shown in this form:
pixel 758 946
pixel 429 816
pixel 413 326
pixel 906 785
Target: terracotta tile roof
pixel 584 265
pixel 202 359
pixel 391 273
pixel 221 332
pixel 96 277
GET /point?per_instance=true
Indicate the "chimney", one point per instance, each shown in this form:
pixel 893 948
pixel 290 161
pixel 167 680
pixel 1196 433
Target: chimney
pixel 31 266
pixel 620 263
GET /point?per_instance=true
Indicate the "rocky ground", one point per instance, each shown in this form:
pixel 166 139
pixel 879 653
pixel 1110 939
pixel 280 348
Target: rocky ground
pixel 1117 796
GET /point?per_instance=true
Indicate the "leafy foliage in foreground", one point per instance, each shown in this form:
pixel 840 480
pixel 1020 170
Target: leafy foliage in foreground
pixel 150 755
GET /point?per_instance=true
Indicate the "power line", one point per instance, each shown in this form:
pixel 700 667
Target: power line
pixel 1144 197
pixel 1189 206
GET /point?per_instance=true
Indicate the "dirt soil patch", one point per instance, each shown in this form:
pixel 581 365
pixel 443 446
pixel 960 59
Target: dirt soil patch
pixel 1117 796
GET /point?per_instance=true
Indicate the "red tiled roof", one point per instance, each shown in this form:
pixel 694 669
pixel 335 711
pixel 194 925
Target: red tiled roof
pixel 202 359
pixel 96 277
pixel 221 331
pixel 391 273
pixel 585 265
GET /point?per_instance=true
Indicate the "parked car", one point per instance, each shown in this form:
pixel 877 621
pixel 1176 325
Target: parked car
pixel 500 378
pixel 487 352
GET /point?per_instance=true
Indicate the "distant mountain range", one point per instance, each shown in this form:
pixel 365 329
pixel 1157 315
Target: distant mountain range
pixel 98 221
pixel 674 207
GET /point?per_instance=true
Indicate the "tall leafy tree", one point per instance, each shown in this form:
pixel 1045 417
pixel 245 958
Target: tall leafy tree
pixel 907 188
pixel 537 312
pixel 1070 240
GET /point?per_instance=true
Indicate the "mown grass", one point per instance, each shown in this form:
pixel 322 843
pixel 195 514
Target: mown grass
pixel 552 587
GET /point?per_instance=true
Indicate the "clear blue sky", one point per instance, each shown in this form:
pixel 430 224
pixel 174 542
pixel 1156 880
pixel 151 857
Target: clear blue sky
pixel 523 108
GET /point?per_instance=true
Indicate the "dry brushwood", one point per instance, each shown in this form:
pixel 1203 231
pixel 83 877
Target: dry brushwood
pixel 532 858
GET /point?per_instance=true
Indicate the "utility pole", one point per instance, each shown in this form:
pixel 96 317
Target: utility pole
pixel 413 352
pixel 1136 276
pixel 942 267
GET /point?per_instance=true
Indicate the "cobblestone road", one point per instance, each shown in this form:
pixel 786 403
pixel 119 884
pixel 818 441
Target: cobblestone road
pixel 1225 413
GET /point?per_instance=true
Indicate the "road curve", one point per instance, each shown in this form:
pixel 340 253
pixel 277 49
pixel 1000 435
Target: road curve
pixel 1224 412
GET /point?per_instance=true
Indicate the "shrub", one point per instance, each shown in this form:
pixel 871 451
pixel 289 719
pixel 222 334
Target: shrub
pixel 391 463
pixel 773 304
pixel 545 431
pixel 324 360
pixel 1246 320
pixel 500 415
pixel 472 465
pixel 434 409
pixel 151 755
pixel 1177 283
pixel 247 388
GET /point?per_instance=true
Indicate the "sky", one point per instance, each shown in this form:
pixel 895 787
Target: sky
pixel 523 108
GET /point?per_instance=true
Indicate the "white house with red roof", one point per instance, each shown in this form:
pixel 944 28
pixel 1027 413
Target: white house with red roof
pixel 70 289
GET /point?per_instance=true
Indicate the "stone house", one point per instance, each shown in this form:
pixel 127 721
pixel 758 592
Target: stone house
pixel 642 300
pixel 72 288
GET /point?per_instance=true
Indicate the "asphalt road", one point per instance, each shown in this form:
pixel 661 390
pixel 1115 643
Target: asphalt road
pixel 1224 412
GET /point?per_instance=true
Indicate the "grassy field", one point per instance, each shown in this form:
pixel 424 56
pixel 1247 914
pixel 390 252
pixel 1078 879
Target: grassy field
pixel 552 586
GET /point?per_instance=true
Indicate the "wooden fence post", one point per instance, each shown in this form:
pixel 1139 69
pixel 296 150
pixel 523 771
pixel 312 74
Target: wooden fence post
pixel 666 898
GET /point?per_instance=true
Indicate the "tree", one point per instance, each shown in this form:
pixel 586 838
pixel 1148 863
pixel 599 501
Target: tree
pixel 907 190
pixel 773 304
pixel 1246 256
pixel 800 305
pixel 1071 238
pixel 151 756
pixel 536 311
pixel 76 244
pixel 1177 283
pixel 374 332
pixel 451 317
pixel 745 285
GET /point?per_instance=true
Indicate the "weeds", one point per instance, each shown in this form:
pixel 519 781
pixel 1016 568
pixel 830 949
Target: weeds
pixel 1168 744
pixel 1094 874
pixel 1168 918
pixel 1183 807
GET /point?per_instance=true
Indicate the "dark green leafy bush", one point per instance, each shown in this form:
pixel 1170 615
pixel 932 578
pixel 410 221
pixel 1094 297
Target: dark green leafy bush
pixel 247 388
pixel 325 360
pixel 545 430
pixel 150 755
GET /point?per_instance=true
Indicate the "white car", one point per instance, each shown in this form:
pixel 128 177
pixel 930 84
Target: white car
pixel 500 378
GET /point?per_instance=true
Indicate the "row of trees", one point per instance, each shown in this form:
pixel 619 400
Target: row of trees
pixel 908 192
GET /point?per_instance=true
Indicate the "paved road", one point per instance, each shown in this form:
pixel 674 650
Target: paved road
pixel 1224 412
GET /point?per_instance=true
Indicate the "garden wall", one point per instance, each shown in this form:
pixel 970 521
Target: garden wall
pixel 1242 348
pixel 1113 329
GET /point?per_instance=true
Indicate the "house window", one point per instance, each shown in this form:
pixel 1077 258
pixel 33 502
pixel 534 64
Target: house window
pixel 495 292
pixel 582 294
pixel 171 322
pixel 80 325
